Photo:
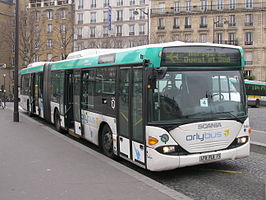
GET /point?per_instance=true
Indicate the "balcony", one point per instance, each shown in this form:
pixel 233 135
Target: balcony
pixel 118 34
pixel 141 33
pixel 248 42
pixel 212 9
pixel 93 5
pixel 248 23
pixel 105 5
pixel 80 21
pixel 132 18
pixel 92 35
pixel 176 27
pixel 203 25
pixel 80 6
pixel 161 27
pixel 187 26
pixel 105 35
pixel 230 42
pixel 131 33
pixel 231 24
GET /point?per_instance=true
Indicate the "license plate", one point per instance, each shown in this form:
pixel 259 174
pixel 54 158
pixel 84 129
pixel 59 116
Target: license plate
pixel 210 157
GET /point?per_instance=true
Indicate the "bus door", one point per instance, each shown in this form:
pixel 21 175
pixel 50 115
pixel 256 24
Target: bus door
pixel 131 137
pixel 68 100
pixel 32 94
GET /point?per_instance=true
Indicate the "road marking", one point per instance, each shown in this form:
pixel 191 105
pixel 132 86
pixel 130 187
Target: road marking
pixel 224 171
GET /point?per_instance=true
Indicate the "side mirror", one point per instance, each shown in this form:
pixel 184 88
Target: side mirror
pixel 154 75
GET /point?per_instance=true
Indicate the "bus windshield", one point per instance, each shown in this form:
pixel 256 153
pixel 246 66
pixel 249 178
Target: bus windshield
pixel 190 96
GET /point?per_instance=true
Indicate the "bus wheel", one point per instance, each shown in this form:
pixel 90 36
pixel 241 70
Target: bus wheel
pixel 257 105
pixel 57 121
pixel 107 141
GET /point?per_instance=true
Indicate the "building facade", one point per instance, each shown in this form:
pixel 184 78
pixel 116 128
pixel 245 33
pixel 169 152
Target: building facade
pixel 7 49
pixel 110 23
pixel 235 22
pixel 49 30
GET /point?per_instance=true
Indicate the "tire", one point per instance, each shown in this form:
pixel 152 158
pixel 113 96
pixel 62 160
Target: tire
pixel 107 141
pixel 57 121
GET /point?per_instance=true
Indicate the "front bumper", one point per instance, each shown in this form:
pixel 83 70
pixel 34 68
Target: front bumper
pixel 160 162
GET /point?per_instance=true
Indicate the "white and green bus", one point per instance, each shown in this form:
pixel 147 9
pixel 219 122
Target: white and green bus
pixel 256 93
pixel 160 106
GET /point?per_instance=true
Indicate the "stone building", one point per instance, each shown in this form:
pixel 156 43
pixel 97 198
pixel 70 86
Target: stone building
pixel 49 30
pixel 235 22
pixel 110 23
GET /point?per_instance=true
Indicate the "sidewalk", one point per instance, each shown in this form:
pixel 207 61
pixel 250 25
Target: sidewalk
pixel 37 162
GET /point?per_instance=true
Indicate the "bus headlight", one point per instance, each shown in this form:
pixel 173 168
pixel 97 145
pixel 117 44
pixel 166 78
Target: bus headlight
pixel 242 140
pixel 172 149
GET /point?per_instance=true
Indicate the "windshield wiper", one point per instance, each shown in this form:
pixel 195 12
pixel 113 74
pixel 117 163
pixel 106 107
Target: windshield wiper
pixel 195 114
pixel 239 119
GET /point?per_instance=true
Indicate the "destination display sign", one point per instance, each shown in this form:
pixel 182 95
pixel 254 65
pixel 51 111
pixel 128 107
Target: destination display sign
pixel 200 56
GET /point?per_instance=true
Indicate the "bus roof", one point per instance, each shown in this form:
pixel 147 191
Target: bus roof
pixel 91 57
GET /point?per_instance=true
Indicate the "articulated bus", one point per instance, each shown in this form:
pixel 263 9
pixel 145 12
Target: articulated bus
pixel 160 106
pixel 256 92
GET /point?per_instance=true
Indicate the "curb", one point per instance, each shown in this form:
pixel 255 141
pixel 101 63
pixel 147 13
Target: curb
pixel 258 147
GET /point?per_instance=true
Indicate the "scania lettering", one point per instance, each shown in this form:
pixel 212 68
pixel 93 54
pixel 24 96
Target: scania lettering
pixel 159 106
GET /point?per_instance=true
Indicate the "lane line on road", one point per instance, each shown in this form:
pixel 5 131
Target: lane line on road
pixel 258 131
pixel 223 171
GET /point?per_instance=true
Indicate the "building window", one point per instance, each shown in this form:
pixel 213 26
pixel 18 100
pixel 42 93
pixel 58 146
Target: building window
pixel 161 38
pixel 63 28
pixel 249 3
pixel 162 7
pixel 105 16
pixel 249 20
pixel 219 38
pixel 63 42
pixel 203 37
pixel 161 24
pixel 232 38
pixel 63 14
pixel 132 2
pixel 203 5
pixel 119 3
pixel 176 6
pixel 219 21
pixel 142 13
pixel 248 38
pixel 105 31
pixel 119 30
pixel 49 56
pixel 219 4
pixel 49 28
pixel 141 2
pixel 188 38
pixel 176 23
pixel 175 37
pixel 36 58
pixel 142 29
pixel 248 58
pixel 92 29
pixel 132 43
pixel 79 32
pixel 131 29
pixel 188 6
pixel 50 14
pixel 93 3
pixel 232 20
pixel 106 3
pixel 80 4
pixel 132 15
pixel 119 15
pixel 49 43
pixel 232 4
pixel 36 44
pixel 93 17
pixel 37 16
pixel 203 21
pixel 80 18
pixel 187 22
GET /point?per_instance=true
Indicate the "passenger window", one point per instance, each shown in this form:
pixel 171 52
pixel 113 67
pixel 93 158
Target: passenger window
pixel 87 92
